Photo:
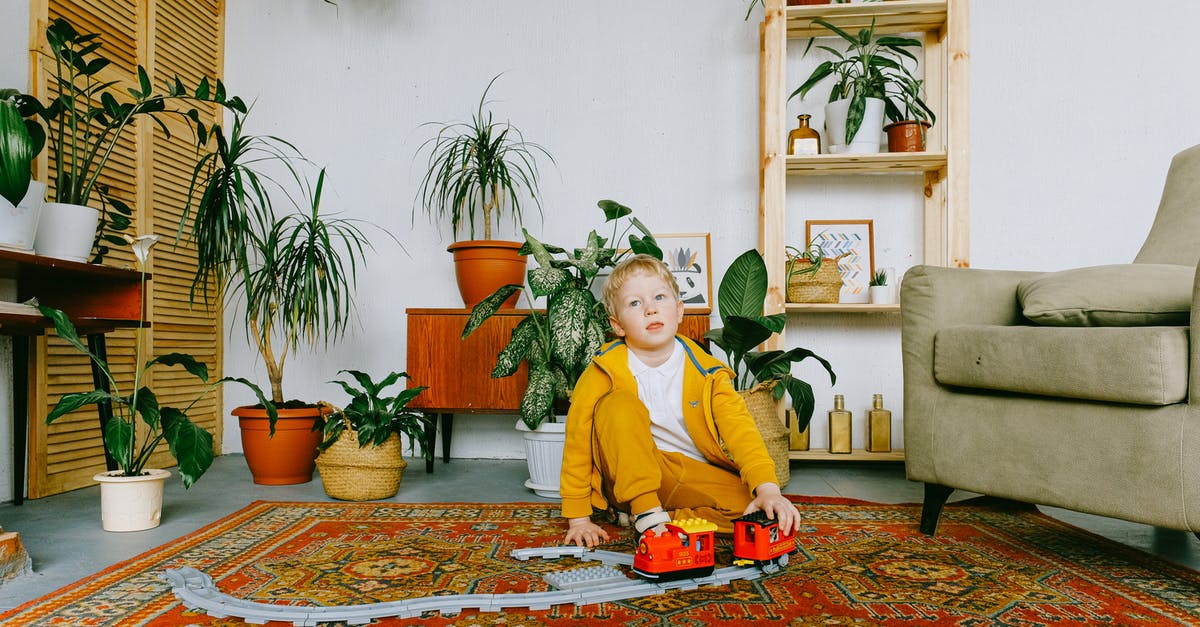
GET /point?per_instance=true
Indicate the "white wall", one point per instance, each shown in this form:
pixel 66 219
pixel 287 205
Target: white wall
pixel 1075 113
pixel 655 104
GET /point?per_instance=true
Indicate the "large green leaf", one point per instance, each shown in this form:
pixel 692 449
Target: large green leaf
pixel 743 289
pixel 569 313
pixel 191 445
pixel 70 402
pixel 16 153
pixel 538 402
pixel 189 363
pixel 518 347
pixel 118 440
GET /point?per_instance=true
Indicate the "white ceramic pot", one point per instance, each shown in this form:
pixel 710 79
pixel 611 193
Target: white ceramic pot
pixel 131 503
pixel 880 294
pixel 543 454
pixel 18 225
pixel 66 231
pixel 869 136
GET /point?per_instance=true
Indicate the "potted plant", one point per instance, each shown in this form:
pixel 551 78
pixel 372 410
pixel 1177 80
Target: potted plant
pixel 21 197
pixel 84 122
pixel 296 274
pixel 761 376
pixel 557 344
pixel 863 74
pixel 131 497
pixel 477 171
pixel 810 276
pixel 361 458
pixel 910 117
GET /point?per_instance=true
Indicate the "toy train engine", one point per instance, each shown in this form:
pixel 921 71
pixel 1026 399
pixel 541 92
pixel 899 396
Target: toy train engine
pixel 758 540
pixel 684 550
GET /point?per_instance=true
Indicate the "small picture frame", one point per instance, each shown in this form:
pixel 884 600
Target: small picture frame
pixel 689 256
pixel 854 241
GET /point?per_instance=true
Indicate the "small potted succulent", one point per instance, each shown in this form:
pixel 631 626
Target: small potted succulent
pixel 478 171
pixel 361 457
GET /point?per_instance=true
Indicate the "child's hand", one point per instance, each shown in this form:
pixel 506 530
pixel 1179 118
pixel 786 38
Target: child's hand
pixel 771 501
pixel 584 532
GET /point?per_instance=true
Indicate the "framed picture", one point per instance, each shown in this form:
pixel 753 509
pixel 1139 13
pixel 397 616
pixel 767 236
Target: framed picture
pixel 854 241
pixel 689 257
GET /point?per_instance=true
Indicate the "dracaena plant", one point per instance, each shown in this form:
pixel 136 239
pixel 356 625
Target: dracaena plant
pixel 870 67
pixel 740 298
pixel 139 424
pixel 558 343
pixel 87 116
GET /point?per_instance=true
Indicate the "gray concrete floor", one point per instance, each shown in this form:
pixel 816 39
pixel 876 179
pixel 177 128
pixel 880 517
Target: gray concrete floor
pixel 63 534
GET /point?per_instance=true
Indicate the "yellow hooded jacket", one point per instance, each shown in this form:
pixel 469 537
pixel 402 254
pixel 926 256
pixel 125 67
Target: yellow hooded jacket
pixel 713 412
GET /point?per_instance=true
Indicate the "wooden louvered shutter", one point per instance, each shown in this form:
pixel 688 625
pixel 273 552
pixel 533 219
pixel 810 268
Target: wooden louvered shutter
pixel 150 173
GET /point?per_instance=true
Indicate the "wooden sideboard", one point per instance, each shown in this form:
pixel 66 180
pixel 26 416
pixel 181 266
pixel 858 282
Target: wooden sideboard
pixel 97 299
pixel 458 372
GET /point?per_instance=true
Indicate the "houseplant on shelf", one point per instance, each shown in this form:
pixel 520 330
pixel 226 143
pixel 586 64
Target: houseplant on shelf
pixel 21 139
pixel 84 122
pixel 910 117
pixel 762 377
pixel 863 74
pixel 477 171
pixel 131 498
pixel 361 457
pixel 557 344
pixel 296 274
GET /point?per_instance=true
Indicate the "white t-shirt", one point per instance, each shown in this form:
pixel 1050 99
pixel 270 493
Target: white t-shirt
pixel 661 390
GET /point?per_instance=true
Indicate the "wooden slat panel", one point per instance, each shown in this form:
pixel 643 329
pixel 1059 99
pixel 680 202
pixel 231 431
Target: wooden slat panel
pixel 151 174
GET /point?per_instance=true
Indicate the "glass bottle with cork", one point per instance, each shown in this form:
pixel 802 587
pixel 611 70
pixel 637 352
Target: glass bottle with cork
pixel 804 140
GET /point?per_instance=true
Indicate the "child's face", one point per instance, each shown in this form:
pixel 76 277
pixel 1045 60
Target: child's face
pixel 648 314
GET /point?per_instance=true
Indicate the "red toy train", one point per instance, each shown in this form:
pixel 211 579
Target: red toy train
pixel 686 549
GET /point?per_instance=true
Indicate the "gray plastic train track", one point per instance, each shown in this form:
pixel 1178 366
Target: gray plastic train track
pixel 579 586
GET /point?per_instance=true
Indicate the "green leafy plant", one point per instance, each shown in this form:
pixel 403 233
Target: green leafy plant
pixel 21 140
pixel 130 446
pixel 905 102
pixel 479 167
pixel 814 255
pixel 558 343
pixel 740 298
pixel 866 69
pixel 878 279
pixel 88 116
pixel 375 417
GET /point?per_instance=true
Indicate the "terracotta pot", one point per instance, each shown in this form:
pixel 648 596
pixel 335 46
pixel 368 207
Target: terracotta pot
pixel 907 136
pixel 287 458
pixel 483 266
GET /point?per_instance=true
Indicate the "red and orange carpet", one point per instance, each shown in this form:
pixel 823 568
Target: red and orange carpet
pixel 992 562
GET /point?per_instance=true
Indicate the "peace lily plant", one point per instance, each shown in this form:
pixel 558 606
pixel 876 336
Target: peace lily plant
pixel 131 444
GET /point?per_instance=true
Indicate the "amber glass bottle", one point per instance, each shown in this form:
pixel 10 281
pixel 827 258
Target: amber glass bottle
pixel 803 140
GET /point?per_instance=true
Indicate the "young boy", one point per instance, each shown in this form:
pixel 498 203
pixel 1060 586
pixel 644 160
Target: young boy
pixel 656 428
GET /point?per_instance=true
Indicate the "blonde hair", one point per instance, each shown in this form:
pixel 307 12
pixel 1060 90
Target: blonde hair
pixel 637 264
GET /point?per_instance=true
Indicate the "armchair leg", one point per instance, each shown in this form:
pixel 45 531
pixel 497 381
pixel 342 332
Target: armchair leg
pixel 931 511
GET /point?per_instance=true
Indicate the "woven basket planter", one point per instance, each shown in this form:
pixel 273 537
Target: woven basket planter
pixel 765 409
pixel 822 286
pixel 370 473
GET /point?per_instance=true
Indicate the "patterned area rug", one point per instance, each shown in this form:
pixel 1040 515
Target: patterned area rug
pixel 992 562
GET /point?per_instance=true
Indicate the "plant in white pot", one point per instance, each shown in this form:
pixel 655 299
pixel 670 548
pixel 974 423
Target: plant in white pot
pixel 295 274
pixel 85 120
pixel 477 171
pixel 361 456
pixel 864 72
pixel 558 343
pixel 21 197
pixel 131 497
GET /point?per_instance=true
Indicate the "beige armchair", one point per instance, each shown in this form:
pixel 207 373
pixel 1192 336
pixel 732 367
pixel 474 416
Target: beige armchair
pixel 1077 389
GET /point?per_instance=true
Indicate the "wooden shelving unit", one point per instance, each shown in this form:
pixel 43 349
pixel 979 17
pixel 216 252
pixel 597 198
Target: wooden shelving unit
pixel 943 26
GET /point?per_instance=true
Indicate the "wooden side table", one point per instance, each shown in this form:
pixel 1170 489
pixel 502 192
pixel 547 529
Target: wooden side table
pixel 458 372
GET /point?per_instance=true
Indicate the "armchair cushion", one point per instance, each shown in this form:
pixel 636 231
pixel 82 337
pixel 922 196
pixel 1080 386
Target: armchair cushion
pixel 1135 294
pixel 1135 365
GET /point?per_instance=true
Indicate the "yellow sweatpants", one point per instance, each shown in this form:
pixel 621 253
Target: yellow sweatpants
pixel 638 476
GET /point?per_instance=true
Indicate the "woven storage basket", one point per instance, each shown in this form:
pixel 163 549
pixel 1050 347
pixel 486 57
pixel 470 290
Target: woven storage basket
pixel 369 473
pixel 775 435
pixel 822 286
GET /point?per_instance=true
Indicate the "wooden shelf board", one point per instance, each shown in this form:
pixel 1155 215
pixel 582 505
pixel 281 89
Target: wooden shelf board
pixel 900 16
pixel 841 308
pixel 858 455
pixel 878 163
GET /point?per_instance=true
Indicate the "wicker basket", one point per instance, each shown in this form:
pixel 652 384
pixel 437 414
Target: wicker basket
pixel 369 473
pixel 765 410
pixel 806 286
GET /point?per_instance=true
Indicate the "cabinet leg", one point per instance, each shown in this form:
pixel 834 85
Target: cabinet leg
pixel 430 441
pixel 97 345
pixel 447 429
pixel 931 511
pixel 20 395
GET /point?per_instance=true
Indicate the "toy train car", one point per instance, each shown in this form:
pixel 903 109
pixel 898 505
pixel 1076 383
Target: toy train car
pixel 686 549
